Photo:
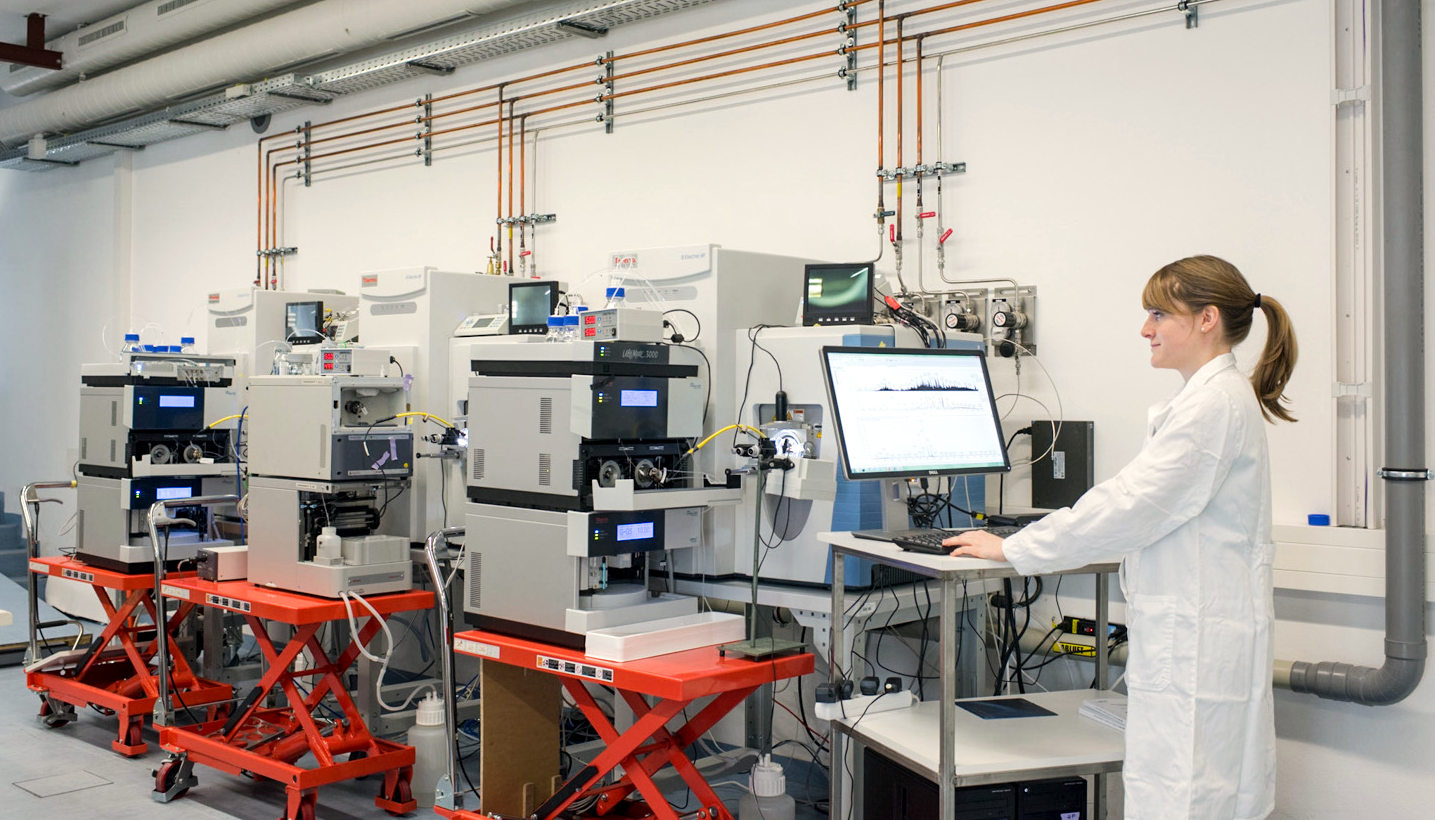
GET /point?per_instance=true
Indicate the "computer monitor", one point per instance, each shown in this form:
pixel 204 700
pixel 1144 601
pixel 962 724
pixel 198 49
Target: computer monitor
pixel 913 413
pixel 837 294
pixel 529 306
pixel 304 323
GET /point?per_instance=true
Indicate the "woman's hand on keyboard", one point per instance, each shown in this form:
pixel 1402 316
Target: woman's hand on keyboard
pixel 976 544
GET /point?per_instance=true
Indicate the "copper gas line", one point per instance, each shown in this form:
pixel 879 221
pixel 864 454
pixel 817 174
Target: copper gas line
pixel 901 83
pixel 717 75
pixel 881 115
pixel 523 189
pixel 510 186
pixel 498 204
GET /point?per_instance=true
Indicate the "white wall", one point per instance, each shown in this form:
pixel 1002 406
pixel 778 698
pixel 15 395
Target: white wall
pixel 1093 159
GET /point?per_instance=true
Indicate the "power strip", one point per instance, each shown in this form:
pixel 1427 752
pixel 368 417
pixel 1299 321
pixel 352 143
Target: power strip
pixel 857 706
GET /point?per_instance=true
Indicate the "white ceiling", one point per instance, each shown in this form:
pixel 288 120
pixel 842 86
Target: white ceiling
pixel 62 16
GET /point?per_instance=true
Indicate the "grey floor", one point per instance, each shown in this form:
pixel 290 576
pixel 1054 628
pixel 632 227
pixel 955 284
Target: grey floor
pixel 71 772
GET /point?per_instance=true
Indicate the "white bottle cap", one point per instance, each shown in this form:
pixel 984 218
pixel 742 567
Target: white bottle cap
pixel 430 711
pixel 767 779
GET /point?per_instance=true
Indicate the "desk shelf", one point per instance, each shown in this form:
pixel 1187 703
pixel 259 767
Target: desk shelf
pixel 926 738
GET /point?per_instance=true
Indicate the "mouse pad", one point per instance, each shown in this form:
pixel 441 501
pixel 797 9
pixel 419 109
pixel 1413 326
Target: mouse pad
pixel 1008 708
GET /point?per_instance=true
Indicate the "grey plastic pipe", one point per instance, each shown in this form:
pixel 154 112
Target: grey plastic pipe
pixel 1404 297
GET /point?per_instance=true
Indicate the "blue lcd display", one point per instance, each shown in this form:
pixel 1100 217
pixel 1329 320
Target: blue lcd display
pixel 176 401
pixel 634 532
pixel 638 398
pixel 166 493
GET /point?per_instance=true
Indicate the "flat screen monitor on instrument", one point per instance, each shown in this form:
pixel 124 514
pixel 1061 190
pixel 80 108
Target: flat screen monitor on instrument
pixel 529 306
pixel 913 413
pixel 837 294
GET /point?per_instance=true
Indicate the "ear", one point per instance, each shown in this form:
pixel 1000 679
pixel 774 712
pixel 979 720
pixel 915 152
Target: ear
pixel 1210 317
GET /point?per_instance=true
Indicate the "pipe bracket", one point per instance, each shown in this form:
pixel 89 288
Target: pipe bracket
pixel 1403 474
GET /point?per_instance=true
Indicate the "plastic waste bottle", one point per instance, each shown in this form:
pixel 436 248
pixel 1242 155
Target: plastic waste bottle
pixel 555 328
pixel 186 345
pixel 768 799
pixel 616 297
pixel 430 743
pixel 132 343
pixel 571 332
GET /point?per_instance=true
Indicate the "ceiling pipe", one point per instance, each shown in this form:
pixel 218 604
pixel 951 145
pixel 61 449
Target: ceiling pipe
pixel 130 35
pixel 303 35
pixel 1404 298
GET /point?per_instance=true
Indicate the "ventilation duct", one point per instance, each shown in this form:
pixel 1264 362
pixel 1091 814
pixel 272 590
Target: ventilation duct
pixel 303 35
pixel 125 37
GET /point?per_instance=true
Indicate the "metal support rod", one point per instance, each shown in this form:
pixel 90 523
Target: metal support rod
pixel 30 516
pixel 157 518
pixel 451 799
pixel 947 628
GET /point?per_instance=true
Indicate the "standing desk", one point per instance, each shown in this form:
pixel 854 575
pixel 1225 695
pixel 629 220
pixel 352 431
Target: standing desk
pixel 1002 750
pixel 673 682
pixel 269 742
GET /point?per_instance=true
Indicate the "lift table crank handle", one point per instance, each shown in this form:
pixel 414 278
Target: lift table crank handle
pixel 157 519
pixel 30 513
pixel 446 795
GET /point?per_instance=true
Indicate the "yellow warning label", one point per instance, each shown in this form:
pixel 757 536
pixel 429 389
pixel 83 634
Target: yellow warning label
pixel 1076 649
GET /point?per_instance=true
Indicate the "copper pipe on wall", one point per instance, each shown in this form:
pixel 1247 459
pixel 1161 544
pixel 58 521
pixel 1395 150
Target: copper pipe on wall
pixel 737 33
pixel 880 45
pixel 881 110
pixel 901 83
pixel 510 186
pixel 721 54
pixel 1009 17
pixel 919 128
pixel 522 188
pixel 498 151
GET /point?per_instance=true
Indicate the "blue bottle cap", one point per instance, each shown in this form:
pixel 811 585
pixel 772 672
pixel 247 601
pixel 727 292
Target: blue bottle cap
pixel 570 321
pixel 186 340
pixel 1318 520
pixel 555 321
pixel 618 292
pixel 579 308
pixel 132 337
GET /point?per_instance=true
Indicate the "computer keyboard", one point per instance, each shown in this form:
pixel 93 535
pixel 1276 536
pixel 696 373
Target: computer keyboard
pixel 931 541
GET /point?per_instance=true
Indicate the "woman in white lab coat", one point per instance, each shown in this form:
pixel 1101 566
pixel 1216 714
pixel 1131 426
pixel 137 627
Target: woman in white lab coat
pixel 1190 519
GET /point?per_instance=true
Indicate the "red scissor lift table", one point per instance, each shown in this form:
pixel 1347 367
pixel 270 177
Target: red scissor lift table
pixel 269 742
pixel 674 681
pixel 119 679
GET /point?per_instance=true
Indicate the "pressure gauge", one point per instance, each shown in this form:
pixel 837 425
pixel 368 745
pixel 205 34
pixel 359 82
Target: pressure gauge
pixel 1008 319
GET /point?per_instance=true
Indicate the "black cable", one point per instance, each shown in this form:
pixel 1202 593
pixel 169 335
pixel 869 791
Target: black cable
pixel 400 366
pixel 707 383
pixel 696 320
pixel 1001 477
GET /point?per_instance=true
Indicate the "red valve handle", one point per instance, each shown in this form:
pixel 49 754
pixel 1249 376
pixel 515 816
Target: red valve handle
pixel 892 232
pixel 926 214
pixel 943 238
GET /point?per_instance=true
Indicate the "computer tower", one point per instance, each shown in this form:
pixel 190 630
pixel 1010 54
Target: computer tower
pixel 1066 469
pixel 892 792
pixel 1063 798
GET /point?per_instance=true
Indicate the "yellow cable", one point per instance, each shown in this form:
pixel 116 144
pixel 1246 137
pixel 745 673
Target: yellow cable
pixel 425 415
pixel 702 443
pixel 223 420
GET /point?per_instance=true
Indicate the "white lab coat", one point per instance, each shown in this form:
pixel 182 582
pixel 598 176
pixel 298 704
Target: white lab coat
pixel 1190 517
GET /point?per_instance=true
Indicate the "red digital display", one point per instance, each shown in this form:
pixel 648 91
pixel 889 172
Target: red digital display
pixel 590 331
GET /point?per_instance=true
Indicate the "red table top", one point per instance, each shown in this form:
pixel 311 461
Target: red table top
pixel 66 567
pixel 287 607
pixel 679 675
